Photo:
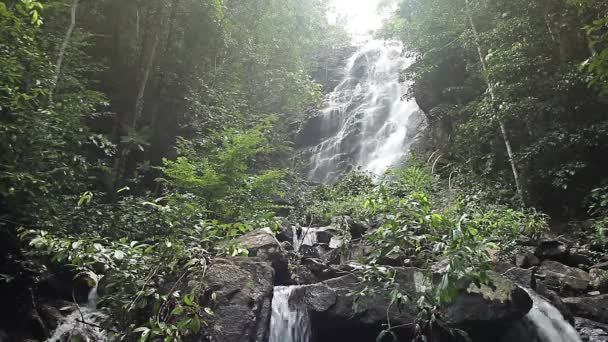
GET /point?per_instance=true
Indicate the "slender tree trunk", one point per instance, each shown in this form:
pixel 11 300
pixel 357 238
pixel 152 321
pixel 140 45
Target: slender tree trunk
pixel 147 59
pixel 64 47
pixel 143 82
pixel 503 129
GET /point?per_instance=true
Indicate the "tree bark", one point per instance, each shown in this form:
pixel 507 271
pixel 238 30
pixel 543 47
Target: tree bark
pixel 64 47
pixel 146 63
pixel 503 129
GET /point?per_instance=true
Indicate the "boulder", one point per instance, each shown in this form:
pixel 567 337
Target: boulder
pixel 578 257
pixel 242 288
pixel 599 279
pixel 68 283
pixel 552 250
pixel 594 308
pixel 51 315
pixel 563 278
pixel 519 276
pixel 526 260
pixel 499 301
pixel 335 300
pixel 325 234
pixel 287 232
pixel 34 325
pixel 601 266
pixel 261 243
pixel 591 331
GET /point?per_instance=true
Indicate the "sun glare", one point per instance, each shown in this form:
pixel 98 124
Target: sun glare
pixel 360 16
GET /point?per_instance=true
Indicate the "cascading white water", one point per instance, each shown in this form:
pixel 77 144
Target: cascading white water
pixel 288 322
pixel 73 325
pixel 365 116
pixel 548 323
pixel 307 237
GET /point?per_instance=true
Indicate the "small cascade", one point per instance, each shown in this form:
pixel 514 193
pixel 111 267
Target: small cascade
pixel 548 323
pixel 289 322
pixel 308 237
pixel 73 325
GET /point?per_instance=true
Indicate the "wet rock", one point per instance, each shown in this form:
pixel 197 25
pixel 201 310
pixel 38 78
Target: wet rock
pixel 325 234
pixel 287 232
pixel 601 266
pixel 307 251
pixel 392 259
pixel 599 279
pixel 593 308
pixel 591 331
pixel 242 288
pixel 68 283
pixel 526 260
pixel 520 276
pixel 499 301
pixel 555 300
pixel 34 326
pixel 563 278
pixel 552 250
pixel 335 299
pixel 262 244
pixel 578 257
pixel 51 315
pixel 357 228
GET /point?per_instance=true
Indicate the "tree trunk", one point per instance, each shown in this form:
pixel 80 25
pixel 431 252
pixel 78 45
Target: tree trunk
pixel 147 63
pixel 64 47
pixel 503 129
pixel 143 82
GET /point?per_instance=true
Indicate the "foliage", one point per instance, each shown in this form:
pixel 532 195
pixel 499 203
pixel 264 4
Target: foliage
pixel 219 177
pixel 532 51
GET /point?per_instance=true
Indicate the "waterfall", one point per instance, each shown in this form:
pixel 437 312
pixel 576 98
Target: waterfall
pixel 307 237
pixel 364 122
pixel 72 325
pixel 548 323
pixel 289 322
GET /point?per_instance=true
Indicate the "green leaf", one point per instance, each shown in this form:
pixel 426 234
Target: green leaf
pixel 195 326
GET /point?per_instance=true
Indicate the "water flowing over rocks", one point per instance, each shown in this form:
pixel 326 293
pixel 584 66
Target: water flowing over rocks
pixel 364 124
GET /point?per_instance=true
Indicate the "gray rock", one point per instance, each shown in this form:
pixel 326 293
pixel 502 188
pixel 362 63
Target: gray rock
pixel 242 288
pixel 601 266
pixel 325 234
pixel 261 243
pixel 51 315
pixel 287 232
pixel 552 250
pixel 578 257
pixel 502 300
pixel 34 325
pixel 564 278
pixel 526 260
pixel 591 331
pixel 599 279
pixel 593 308
pixel 520 276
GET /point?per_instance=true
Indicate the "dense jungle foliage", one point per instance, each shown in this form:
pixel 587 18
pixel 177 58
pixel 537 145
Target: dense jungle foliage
pixel 146 135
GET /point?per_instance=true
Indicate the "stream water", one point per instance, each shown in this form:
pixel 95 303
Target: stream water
pixel 289 322
pixel 548 323
pixel 365 121
pixel 73 325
